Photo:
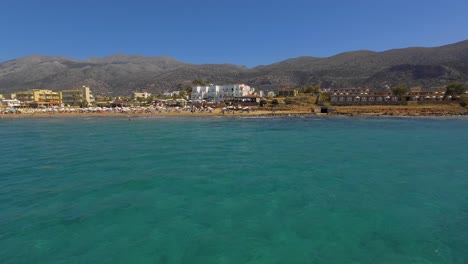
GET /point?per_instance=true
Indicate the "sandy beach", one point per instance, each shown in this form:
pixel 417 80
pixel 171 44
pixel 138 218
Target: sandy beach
pixel 216 112
pixel 417 110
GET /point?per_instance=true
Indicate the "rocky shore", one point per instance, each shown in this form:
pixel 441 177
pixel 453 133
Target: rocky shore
pixel 417 110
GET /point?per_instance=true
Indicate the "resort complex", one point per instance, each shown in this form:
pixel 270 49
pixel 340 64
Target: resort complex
pixel 218 93
pixel 37 98
pixel 362 96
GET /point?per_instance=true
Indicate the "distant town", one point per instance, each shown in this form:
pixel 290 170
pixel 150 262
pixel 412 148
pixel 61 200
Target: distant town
pixel 234 97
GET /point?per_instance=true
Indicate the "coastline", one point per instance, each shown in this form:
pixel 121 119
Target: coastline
pixel 452 110
pixel 267 114
pixel 432 110
pixel 163 114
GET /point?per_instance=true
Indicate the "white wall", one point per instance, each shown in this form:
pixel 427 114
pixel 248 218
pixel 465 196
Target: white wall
pixel 218 93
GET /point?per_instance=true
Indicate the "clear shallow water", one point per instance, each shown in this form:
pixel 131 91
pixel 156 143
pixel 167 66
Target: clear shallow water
pixel 217 190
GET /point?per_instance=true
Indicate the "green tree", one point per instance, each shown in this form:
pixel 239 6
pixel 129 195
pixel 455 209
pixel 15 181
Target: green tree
pixel 76 99
pixel 84 103
pixel 199 82
pixel 455 89
pixel 399 90
pixel 464 101
pixel 323 98
pixel 149 100
pixel 315 89
pixel 188 92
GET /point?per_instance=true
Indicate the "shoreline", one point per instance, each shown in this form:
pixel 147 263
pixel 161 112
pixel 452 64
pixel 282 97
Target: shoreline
pixel 255 114
pixel 448 110
pixel 164 114
pixel 430 110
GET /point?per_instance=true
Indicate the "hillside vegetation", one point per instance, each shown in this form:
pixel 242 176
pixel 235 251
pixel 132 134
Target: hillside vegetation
pixel 122 74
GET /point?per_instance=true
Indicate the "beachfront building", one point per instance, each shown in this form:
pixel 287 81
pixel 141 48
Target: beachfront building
pixel 143 95
pixel 248 100
pixel 10 103
pixel 360 96
pixel 171 94
pixel 363 96
pixel 432 94
pixel 78 97
pixel 287 92
pixel 219 93
pixel 38 98
pixel 171 102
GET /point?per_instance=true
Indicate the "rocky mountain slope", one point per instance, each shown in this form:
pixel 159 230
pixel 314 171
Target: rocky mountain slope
pixel 122 74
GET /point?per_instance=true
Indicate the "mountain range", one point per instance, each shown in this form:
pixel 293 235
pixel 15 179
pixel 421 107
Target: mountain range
pixel 121 74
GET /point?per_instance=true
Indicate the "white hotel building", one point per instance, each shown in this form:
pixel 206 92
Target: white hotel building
pixel 218 93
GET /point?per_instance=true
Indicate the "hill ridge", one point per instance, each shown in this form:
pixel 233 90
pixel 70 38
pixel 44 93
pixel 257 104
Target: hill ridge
pixel 120 74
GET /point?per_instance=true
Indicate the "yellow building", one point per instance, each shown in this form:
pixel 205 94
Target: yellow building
pixel 39 97
pixel 287 92
pixel 81 97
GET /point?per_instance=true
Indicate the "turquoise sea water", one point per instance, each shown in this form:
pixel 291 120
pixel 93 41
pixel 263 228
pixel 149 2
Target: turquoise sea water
pixel 233 190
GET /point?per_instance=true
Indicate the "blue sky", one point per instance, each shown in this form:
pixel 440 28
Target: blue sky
pixel 241 32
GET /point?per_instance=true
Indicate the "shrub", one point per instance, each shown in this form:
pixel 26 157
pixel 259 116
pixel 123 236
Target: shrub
pixel 324 97
pixel 455 88
pixel 464 101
